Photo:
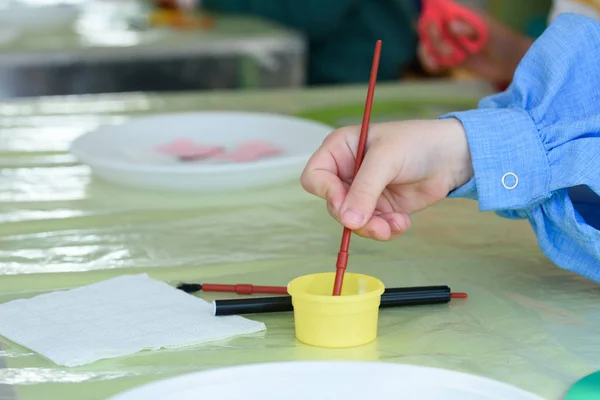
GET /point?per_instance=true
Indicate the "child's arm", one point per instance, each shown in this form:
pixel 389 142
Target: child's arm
pixel 313 17
pixel 545 131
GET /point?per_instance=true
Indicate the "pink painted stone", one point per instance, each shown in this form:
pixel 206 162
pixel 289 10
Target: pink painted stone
pixel 188 150
pixel 251 151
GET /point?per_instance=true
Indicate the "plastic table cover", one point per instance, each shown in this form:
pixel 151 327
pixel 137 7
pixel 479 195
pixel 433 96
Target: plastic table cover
pixel 526 322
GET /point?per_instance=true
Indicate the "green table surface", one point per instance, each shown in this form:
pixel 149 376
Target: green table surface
pixel 526 322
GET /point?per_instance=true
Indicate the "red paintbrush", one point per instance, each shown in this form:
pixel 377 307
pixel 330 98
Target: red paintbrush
pixel 244 288
pixel 240 288
pixel 342 259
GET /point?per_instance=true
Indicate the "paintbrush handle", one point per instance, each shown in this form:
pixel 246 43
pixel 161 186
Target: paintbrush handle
pixel 242 288
pixel 342 261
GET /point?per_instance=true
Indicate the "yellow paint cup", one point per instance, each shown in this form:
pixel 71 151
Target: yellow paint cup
pixel 324 320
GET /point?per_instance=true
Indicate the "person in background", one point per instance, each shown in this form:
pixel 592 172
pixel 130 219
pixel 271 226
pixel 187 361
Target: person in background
pixel 531 152
pixel 506 47
pixel 341 34
pixel 590 8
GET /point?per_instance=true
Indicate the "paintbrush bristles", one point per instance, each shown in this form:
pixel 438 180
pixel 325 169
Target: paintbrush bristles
pixel 190 287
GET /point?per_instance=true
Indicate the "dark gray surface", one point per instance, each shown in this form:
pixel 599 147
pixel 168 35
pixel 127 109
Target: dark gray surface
pixel 236 53
pixel 176 73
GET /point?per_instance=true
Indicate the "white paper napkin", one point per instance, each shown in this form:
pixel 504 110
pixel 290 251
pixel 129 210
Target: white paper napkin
pixel 114 318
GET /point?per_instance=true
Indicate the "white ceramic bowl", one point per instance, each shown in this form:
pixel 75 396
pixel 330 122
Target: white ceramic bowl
pixel 125 154
pixel 328 380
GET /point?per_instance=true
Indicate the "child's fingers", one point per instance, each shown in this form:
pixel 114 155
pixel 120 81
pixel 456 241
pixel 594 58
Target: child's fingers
pixel 333 206
pixel 326 184
pixel 322 175
pixel 375 173
pixel 331 164
pixel 399 223
pixel 385 227
pixel 329 170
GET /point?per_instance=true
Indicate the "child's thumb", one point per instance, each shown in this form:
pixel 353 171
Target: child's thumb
pixel 365 191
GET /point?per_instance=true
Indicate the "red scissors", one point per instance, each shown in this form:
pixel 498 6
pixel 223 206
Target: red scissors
pixel 440 13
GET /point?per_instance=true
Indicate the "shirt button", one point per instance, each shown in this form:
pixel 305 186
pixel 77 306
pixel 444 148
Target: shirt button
pixel 510 180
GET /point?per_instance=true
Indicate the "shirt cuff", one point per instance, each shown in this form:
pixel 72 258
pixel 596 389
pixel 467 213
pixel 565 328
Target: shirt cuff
pixel 509 159
pixel 467 191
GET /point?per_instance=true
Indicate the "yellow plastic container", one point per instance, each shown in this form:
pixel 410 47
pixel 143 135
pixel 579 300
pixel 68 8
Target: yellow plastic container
pixel 325 320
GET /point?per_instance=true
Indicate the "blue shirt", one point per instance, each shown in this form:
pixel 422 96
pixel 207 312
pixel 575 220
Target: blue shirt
pixel 536 147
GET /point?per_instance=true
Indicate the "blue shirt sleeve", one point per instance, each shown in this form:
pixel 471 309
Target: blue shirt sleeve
pixel 536 147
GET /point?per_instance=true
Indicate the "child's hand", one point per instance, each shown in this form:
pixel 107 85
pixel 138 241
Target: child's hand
pixel 408 167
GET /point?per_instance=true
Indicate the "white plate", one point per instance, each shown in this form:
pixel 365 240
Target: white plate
pixel 327 380
pixel 125 154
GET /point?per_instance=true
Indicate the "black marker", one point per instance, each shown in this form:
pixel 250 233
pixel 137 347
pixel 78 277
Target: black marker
pixel 394 297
